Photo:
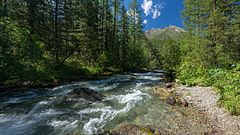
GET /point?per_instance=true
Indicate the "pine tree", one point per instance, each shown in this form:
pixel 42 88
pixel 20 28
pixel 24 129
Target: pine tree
pixel 135 21
pixel 213 20
pixel 125 37
pixel 234 29
pixel 114 20
pixel 195 15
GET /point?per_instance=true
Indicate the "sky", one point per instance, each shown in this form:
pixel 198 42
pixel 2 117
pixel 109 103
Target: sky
pixel 160 13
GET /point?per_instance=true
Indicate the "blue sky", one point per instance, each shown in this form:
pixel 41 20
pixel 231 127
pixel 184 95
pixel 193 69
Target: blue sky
pixel 160 13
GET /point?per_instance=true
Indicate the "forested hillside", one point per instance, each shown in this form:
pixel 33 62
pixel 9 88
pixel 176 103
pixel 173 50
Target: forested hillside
pixel 50 40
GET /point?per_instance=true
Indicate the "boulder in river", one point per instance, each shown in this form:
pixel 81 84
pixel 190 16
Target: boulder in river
pixel 170 96
pixel 169 85
pixel 162 93
pixel 87 94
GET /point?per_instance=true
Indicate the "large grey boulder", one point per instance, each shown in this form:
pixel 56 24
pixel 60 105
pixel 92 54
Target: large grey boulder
pixel 86 93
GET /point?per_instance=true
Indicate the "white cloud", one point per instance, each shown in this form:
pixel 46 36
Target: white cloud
pixel 156 14
pixel 145 21
pixel 157 10
pixel 151 9
pixel 147 6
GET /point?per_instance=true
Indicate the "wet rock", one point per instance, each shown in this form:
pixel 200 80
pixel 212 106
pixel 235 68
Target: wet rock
pixel 155 131
pixel 169 85
pixel 134 130
pixel 170 96
pixel 171 100
pixel 162 93
pixel 86 93
pixel 105 133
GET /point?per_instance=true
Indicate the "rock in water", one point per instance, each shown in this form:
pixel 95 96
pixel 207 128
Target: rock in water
pixel 162 93
pixel 171 100
pixel 87 94
pixel 169 85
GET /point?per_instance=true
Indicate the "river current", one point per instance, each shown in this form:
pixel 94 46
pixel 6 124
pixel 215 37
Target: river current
pixel 129 99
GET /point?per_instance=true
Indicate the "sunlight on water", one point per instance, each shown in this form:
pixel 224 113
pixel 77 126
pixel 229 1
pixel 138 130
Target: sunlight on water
pixel 128 98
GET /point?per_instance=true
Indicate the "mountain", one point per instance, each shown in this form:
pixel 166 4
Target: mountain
pixel 171 31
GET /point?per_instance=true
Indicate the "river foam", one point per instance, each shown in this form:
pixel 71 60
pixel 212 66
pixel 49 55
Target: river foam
pixel 52 113
pixel 129 101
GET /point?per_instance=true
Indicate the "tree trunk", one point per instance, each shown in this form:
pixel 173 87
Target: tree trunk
pixel 4 5
pixel 106 27
pixel 31 5
pixel 103 13
pixel 56 32
pixel 134 27
pixel 115 20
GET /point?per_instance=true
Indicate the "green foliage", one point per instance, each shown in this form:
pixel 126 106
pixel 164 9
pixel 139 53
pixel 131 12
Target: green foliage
pixel 137 57
pixel 191 74
pixel 195 69
pixel 20 53
pixel 226 82
pixel 167 44
pixel 228 85
pixel 210 53
pixel 40 42
pixel 170 54
pixel 237 68
pixel 103 60
pixel 215 21
pixel 191 57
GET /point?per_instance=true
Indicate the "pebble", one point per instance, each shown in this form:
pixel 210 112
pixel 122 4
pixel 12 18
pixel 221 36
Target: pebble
pixel 205 99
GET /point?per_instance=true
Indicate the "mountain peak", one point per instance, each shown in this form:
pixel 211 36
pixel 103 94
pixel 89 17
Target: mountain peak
pixel 157 31
pixel 175 28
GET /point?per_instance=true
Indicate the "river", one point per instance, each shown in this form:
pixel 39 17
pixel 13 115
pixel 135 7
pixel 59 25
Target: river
pixel 129 99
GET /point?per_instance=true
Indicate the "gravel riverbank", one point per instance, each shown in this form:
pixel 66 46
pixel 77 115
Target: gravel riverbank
pixel 205 99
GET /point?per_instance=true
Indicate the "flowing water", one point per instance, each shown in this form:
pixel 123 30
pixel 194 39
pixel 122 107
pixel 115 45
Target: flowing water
pixel 128 99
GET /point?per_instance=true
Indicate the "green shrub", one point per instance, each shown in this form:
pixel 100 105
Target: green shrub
pixel 103 60
pixel 227 83
pixel 198 68
pixel 20 54
pixel 192 74
pixel 170 54
pixel 237 68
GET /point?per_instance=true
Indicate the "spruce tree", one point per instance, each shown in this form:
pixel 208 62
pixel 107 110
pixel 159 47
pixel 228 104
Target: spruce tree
pixel 124 38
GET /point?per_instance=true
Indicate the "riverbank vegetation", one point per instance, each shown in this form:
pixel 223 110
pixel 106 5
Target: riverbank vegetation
pixel 208 53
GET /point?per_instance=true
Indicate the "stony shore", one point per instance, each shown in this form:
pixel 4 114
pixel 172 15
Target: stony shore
pixel 206 100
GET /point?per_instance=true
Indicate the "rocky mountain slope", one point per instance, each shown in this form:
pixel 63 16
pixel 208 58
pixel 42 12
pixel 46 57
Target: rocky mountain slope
pixel 170 31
